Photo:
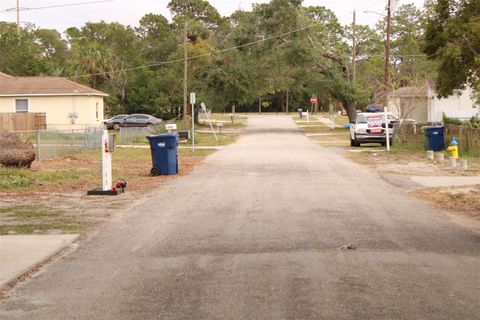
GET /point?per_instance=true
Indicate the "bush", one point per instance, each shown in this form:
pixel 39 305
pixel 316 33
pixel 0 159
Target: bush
pixel 14 152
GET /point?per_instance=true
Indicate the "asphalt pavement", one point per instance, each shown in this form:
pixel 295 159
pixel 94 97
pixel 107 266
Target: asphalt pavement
pixel 260 231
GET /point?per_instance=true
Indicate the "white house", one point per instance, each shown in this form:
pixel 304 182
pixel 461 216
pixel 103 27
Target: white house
pixel 67 104
pixel 423 105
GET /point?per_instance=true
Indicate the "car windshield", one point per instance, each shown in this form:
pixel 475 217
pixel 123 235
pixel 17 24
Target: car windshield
pixel 361 118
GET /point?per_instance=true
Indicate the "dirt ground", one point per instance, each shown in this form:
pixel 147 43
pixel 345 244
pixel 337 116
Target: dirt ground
pixel 57 201
pixel 407 163
pixel 460 201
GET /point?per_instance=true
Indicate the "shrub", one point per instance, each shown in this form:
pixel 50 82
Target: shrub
pixel 14 152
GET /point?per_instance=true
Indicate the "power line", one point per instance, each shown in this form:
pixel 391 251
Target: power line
pixel 196 56
pixel 205 54
pixel 56 6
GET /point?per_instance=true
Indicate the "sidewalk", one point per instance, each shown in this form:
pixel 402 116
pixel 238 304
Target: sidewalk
pixel 20 253
pixel 445 181
pixel 328 122
pixel 142 146
pixel 410 182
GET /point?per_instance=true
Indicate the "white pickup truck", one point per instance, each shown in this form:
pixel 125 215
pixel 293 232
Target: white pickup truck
pixel 370 128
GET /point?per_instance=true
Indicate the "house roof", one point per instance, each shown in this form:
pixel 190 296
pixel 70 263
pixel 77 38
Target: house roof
pixel 43 86
pixel 410 92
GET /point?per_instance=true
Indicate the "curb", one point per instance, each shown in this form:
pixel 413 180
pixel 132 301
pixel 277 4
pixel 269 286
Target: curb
pixel 26 273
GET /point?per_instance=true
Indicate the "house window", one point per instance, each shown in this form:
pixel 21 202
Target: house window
pixel 96 110
pixel 21 105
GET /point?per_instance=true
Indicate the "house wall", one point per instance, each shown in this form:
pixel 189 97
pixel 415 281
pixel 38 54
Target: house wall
pixel 458 106
pixel 394 106
pixel 409 108
pixel 60 108
pixel 415 108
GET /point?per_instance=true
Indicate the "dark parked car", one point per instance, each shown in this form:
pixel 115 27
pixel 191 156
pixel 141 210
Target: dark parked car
pixel 133 120
pixel 374 108
pixel 115 122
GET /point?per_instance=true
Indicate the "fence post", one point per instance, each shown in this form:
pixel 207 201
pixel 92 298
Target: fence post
pixel 56 143
pixel 86 132
pixel 38 144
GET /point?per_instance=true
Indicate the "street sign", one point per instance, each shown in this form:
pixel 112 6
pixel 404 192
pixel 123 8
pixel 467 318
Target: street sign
pixel 192 97
pixel 313 100
pixel 204 107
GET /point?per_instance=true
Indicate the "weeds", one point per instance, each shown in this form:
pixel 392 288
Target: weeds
pixel 11 178
pixel 37 218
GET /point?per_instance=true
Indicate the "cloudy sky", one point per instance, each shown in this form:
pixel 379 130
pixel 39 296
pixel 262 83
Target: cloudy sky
pixel 130 11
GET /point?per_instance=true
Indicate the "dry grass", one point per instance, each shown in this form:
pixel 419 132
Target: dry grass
pixel 51 196
pixel 463 200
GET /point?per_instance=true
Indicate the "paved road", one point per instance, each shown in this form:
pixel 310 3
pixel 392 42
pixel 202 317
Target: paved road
pixel 254 234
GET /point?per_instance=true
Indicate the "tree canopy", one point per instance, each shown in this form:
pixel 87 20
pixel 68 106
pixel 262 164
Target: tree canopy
pixel 453 38
pixel 278 49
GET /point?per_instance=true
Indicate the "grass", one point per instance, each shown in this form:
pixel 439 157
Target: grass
pixel 31 212
pixel 14 178
pixel 197 153
pixel 405 147
pixel 38 219
pixel 208 139
pixel 310 118
pixel 85 167
pixel 419 149
pixel 54 176
pixel 239 120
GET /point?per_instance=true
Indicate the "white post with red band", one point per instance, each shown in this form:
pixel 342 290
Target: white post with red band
pixel 106 162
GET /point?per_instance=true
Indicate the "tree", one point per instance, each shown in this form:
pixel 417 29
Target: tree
pixel 453 38
pixel 411 67
pixel 199 10
pixel 54 51
pixel 20 55
pixel 104 52
pixel 157 38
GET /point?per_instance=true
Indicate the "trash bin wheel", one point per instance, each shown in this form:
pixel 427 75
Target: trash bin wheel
pixel 155 171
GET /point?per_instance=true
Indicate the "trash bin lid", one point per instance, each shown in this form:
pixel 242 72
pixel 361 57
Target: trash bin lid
pixel 163 135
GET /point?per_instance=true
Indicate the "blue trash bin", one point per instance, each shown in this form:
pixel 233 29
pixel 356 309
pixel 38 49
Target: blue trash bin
pixel 164 148
pixel 434 138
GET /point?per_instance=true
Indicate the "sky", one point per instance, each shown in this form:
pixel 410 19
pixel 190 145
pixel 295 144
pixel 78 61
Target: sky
pixel 129 12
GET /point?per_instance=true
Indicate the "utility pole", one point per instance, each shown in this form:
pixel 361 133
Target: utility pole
pixel 387 49
pixel 18 16
pixel 287 101
pixel 354 48
pixel 185 70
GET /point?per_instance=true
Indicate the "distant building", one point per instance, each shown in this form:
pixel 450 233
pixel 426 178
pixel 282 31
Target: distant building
pixel 422 104
pixel 67 104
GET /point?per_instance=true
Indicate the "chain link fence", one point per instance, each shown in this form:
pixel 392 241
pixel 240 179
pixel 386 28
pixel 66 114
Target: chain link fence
pixel 57 143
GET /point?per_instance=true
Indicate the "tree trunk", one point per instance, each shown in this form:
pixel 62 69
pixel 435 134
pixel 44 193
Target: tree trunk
pixel 197 113
pixel 351 111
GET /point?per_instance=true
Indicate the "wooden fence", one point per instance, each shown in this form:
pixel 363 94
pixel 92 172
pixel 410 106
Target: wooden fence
pixel 468 137
pixel 23 121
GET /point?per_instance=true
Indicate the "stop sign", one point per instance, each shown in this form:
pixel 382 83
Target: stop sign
pixel 313 100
